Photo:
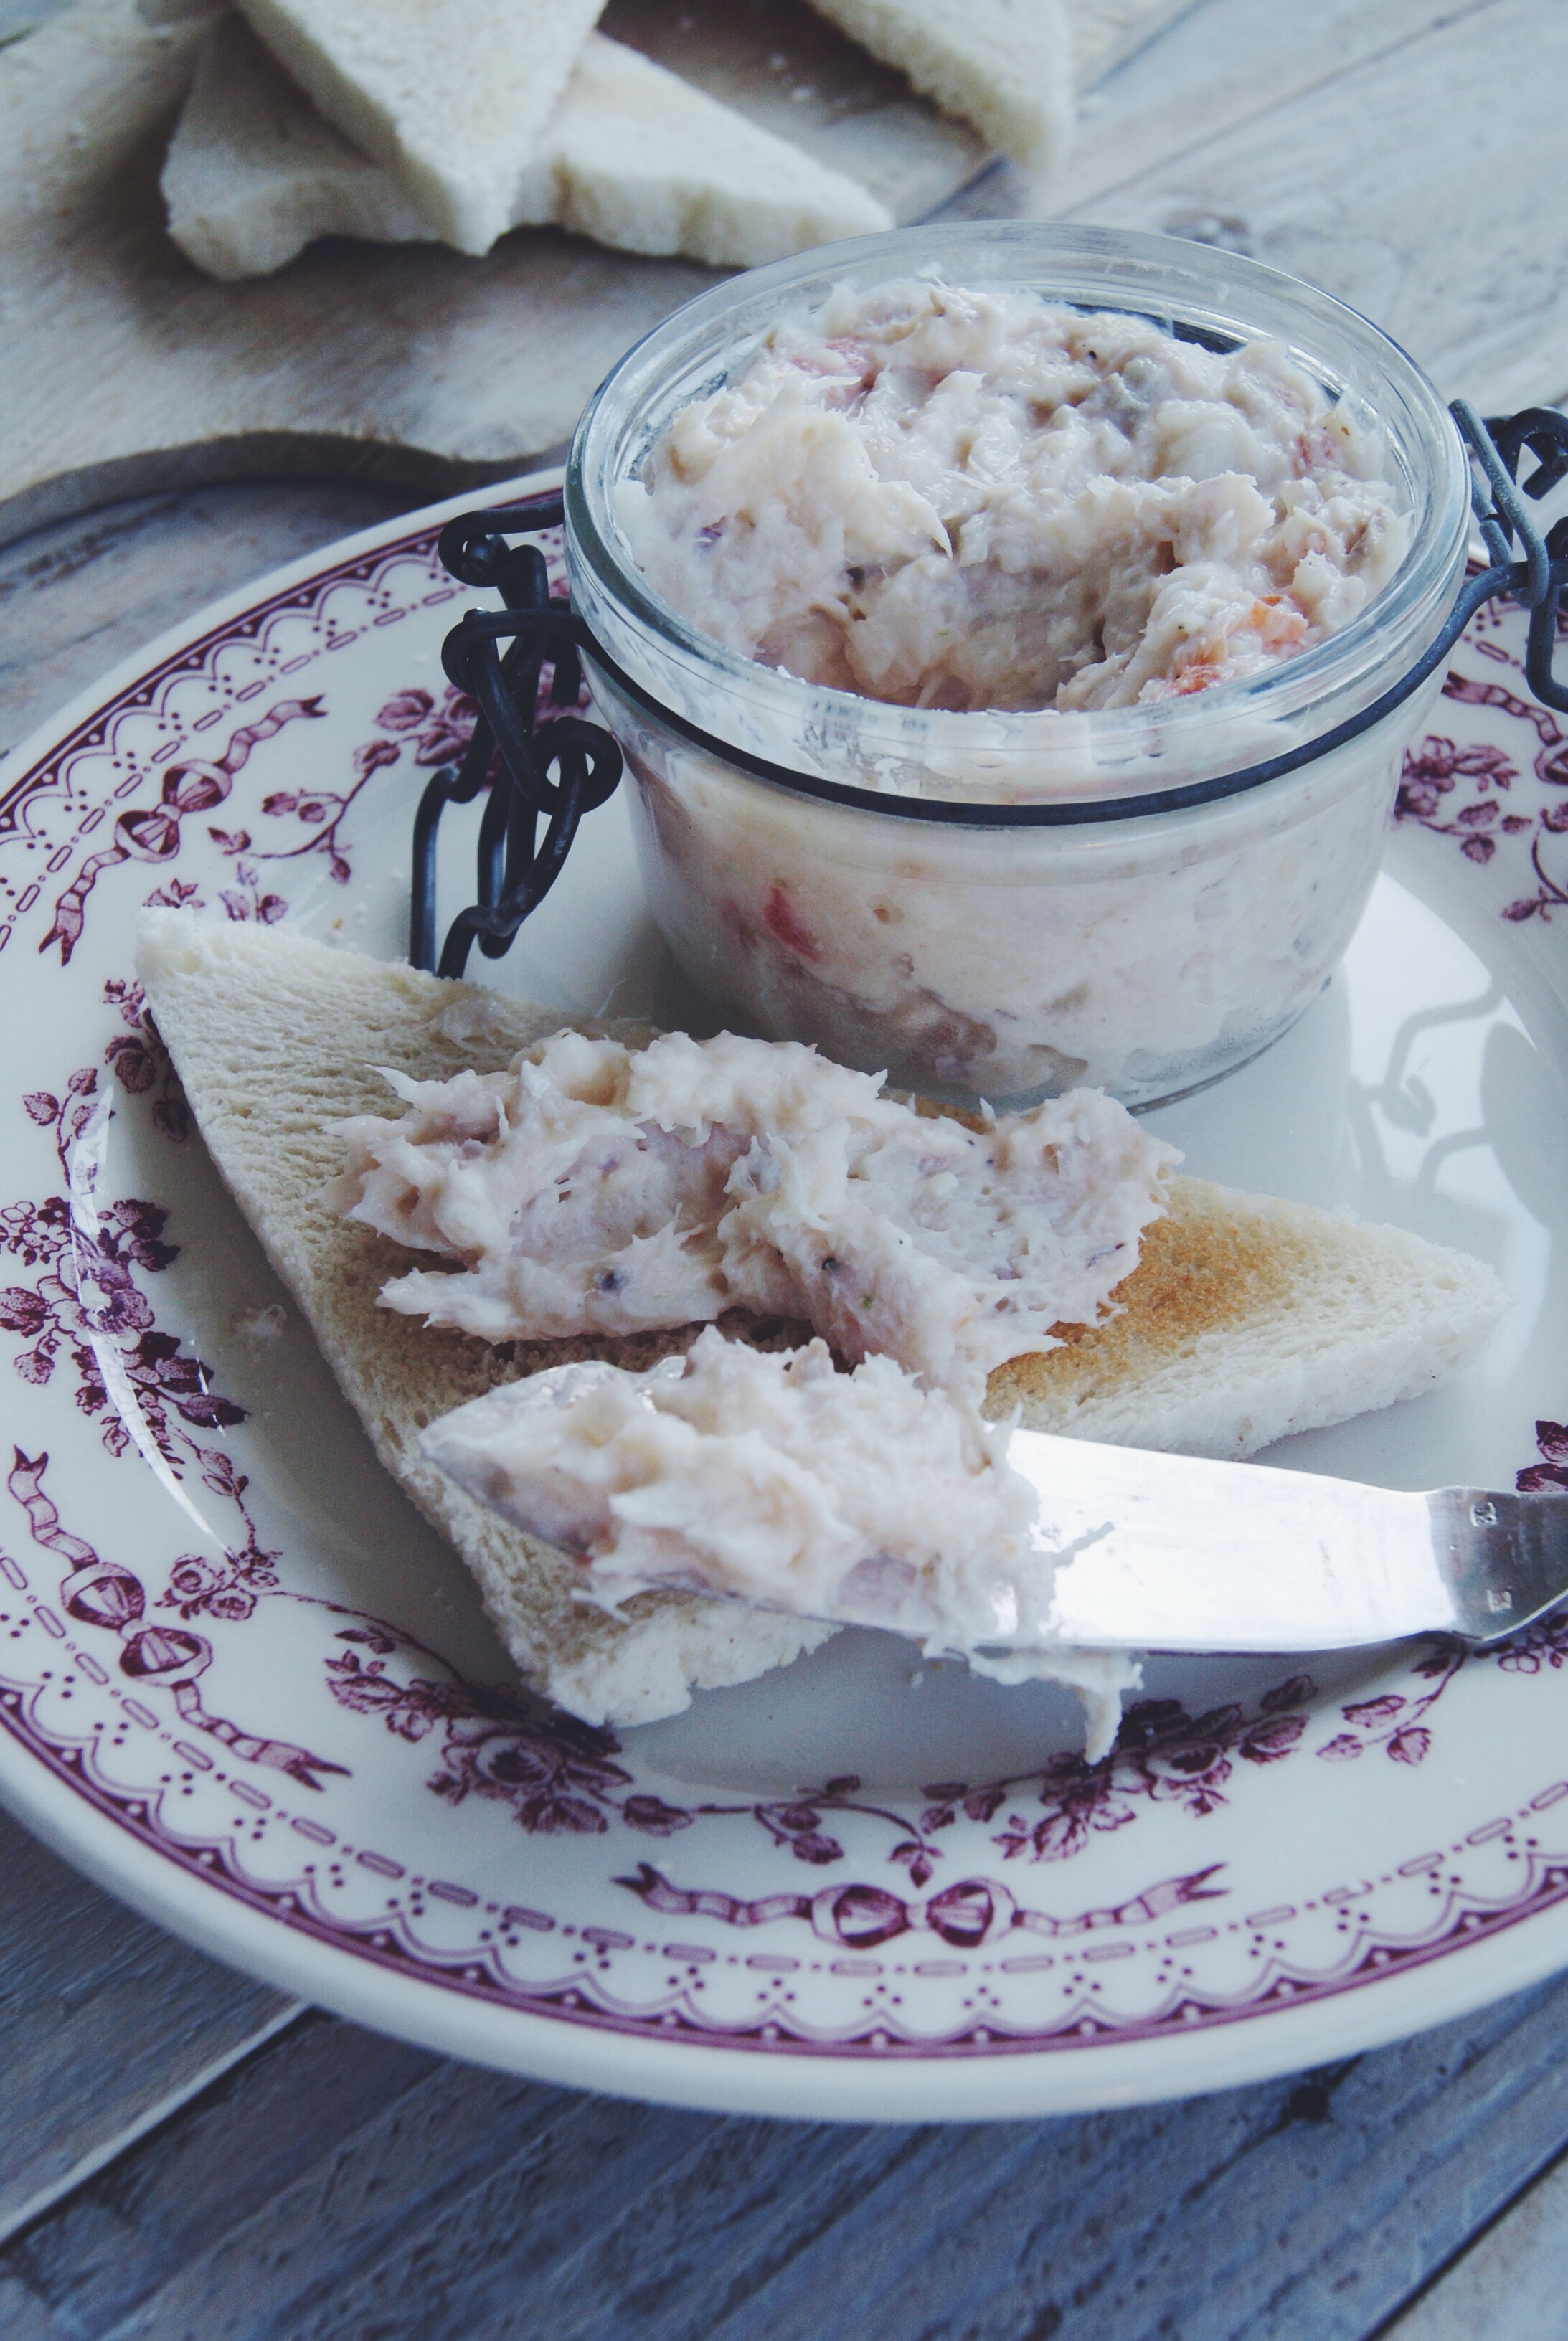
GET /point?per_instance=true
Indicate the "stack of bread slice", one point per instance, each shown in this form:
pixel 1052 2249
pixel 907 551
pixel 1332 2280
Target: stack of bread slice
pixel 1246 1317
pixel 456 120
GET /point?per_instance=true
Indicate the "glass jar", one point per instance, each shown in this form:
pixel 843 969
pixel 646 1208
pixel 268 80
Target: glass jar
pixel 1005 904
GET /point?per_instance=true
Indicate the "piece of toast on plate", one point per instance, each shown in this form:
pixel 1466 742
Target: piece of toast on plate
pixel 633 156
pixel 1246 1317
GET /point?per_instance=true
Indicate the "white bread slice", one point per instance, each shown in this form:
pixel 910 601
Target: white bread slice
pixel 1245 1318
pixel 633 156
pixel 254 172
pixel 450 94
pixel 1248 1319
pixel 1006 66
pixel 641 160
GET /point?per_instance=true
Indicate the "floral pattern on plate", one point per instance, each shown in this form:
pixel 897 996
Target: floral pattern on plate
pixel 186 1654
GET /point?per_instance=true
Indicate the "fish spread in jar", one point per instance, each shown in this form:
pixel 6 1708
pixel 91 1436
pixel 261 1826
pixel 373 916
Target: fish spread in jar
pixel 597 1189
pixel 948 498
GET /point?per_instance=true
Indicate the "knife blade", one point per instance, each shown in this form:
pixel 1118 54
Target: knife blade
pixel 1177 1553
pixel 1183 1554
pixel 1143 1551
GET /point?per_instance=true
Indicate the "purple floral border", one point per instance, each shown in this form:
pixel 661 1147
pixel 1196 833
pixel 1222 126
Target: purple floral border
pixel 569 2000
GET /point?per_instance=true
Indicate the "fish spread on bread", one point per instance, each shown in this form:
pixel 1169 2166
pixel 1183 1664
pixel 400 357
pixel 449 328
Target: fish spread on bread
pixel 781 1481
pixel 774 1476
pixel 596 1189
pixel 1245 1318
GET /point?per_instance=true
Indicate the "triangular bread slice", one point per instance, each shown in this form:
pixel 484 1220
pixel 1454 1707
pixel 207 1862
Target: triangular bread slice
pixel 641 160
pixel 1006 66
pixel 632 157
pixel 1245 1318
pixel 254 172
pixel 1248 1319
pixel 450 94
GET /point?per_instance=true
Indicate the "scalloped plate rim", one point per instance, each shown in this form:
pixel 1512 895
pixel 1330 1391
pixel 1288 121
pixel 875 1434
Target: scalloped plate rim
pixel 1029 2080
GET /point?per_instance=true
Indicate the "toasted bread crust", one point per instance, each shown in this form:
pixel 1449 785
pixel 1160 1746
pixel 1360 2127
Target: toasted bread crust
pixel 1248 1319
pixel 1210 1265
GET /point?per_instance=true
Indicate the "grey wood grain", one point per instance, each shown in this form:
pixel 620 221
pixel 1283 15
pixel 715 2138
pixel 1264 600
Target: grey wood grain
pixel 106 2022
pixel 1509 2286
pixel 337 2187
pixel 1229 63
pixel 1417 184
pixel 163 2207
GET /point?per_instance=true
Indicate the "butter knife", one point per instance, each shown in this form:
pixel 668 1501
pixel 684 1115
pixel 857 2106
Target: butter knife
pixel 1185 1554
pixel 1178 1553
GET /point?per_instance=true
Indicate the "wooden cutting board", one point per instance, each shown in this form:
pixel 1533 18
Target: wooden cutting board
pixel 123 369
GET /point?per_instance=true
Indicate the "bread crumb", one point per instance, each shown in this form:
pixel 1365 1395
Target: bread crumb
pixel 261 1326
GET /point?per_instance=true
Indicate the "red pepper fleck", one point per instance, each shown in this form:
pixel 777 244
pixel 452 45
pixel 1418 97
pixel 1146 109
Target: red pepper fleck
pixel 783 922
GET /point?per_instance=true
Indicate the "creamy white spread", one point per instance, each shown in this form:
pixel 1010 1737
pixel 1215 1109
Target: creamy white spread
pixel 955 499
pixel 1142 958
pixel 778 1479
pixel 596 1189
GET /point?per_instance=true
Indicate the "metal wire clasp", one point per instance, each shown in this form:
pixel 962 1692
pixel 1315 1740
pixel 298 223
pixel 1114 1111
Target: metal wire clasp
pixel 516 751
pixel 1535 573
pixel 509 747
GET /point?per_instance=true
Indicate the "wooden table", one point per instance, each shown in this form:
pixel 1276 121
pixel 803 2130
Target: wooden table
pixel 184 2154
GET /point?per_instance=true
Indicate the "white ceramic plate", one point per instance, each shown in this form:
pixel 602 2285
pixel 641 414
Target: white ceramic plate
pixel 243 1687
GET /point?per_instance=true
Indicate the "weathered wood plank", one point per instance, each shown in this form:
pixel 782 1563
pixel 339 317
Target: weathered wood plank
pixel 1414 187
pixel 338 2186
pixel 246 2217
pixel 1228 64
pixel 1300 2210
pixel 1106 33
pixel 105 2024
pixel 1509 2286
pixel 159 2209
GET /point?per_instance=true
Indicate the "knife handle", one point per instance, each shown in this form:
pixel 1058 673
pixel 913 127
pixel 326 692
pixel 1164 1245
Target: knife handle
pixel 1503 1559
